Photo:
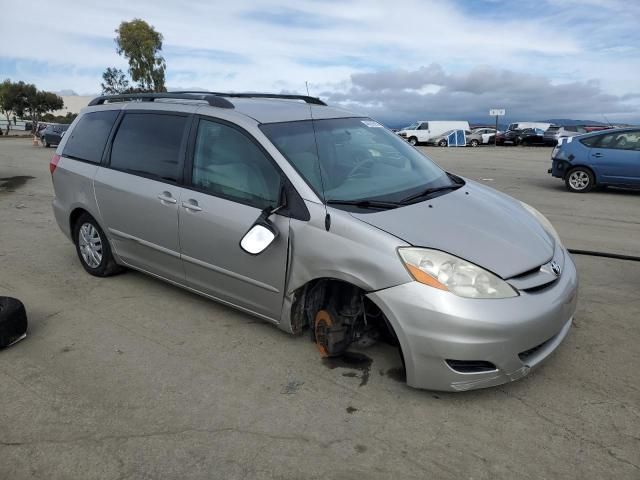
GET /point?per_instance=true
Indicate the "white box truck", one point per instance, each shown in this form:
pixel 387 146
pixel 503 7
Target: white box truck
pixel 424 130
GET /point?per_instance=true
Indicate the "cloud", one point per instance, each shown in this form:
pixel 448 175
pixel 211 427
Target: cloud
pixel 436 50
pixel 402 95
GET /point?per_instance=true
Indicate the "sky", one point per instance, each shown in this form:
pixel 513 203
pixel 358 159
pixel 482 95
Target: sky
pixel 395 61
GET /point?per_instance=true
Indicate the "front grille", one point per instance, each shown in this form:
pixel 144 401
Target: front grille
pixel 471 366
pixel 539 288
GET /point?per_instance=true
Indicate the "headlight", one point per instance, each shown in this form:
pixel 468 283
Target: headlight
pixel 546 224
pixel 446 272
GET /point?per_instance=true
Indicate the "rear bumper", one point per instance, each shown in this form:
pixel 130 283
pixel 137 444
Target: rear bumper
pixel 514 334
pixel 559 168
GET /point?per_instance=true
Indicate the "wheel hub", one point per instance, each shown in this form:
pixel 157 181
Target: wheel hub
pixel 90 245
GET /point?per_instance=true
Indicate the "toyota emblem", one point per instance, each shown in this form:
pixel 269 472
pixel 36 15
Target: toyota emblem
pixel 555 268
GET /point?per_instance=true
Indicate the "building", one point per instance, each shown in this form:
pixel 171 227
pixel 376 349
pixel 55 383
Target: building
pixel 73 104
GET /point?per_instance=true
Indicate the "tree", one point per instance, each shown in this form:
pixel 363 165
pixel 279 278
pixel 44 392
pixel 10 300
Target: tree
pixel 141 44
pixel 39 102
pixel 12 100
pixel 115 82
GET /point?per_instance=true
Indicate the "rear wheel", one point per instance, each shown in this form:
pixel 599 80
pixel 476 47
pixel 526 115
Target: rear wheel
pixel 93 248
pixel 579 180
pixel 413 141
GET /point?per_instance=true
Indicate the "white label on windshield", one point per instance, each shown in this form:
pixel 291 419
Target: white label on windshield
pixel 371 124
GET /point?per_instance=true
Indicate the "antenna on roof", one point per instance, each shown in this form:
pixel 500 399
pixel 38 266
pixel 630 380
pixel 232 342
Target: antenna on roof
pixel 605 117
pixel 327 217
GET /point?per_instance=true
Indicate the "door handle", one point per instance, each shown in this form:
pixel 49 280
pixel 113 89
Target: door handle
pixel 598 155
pixel 192 205
pixel 166 197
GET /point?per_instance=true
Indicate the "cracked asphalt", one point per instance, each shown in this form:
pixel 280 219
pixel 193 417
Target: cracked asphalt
pixel 131 378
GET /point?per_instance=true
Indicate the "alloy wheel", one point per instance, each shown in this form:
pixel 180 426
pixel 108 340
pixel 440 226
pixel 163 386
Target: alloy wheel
pixel 579 180
pixel 90 245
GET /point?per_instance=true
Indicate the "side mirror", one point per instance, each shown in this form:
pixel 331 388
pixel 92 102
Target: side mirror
pixel 258 238
pixel 262 233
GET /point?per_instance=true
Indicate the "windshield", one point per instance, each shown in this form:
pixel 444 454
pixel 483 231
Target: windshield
pixel 359 159
pixel 413 126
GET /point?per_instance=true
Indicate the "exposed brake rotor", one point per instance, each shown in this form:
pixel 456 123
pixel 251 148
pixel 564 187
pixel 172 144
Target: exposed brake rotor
pixel 330 334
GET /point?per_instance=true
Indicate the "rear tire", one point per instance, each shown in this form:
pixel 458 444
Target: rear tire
pixel 580 180
pixel 93 248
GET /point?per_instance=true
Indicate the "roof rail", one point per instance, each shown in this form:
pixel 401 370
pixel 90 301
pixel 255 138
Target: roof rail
pixel 306 98
pixel 211 99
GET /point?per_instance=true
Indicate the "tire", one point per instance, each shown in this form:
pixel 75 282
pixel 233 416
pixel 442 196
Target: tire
pixel 442 143
pixel 580 180
pixel 474 143
pixel 13 321
pixel 413 141
pixel 93 249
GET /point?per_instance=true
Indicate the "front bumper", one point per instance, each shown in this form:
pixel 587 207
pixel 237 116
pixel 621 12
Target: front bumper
pixel 514 334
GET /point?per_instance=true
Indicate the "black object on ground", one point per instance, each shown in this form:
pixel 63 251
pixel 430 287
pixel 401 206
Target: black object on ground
pixel 13 321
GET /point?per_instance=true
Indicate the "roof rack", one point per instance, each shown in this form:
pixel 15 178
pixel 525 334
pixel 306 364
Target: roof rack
pixel 305 98
pixel 211 99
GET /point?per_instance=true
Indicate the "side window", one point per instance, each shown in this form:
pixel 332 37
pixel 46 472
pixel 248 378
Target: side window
pixel 148 144
pixel 592 142
pixel 424 126
pixel 227 163
pixel 620 141
pixel 89 136
pixel 628 141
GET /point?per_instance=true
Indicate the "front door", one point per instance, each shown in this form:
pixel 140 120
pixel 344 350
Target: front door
pixel 138 193
pixel 616 156
pixel 228 182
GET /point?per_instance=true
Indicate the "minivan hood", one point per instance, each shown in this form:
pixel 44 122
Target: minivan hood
pixel 476 223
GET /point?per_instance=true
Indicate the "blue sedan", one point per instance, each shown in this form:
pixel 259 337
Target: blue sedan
pixel 610 157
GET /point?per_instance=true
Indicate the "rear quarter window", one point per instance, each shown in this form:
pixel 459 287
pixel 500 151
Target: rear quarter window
pixel 89 137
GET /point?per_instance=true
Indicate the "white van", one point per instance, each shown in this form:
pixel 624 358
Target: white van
pixel 521 125
pixel 424 130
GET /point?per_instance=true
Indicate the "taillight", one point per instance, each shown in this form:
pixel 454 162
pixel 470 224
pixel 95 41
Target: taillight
pixel 54 163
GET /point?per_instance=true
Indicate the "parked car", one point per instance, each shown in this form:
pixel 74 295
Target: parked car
pixel 311 217
pixel 527 136
pixel 425 130
pixel 554 133
pixel 41 127
pixel 531 136
pixel 596 128
pixel 52 134
pixel 443 139
pixel 604 158
pixel 480 136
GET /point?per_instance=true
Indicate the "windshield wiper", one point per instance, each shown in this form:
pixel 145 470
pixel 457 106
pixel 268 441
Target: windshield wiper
pixel 430 191
pixel 366 204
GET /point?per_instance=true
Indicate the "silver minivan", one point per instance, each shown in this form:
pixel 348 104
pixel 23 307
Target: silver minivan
pixel 315 218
